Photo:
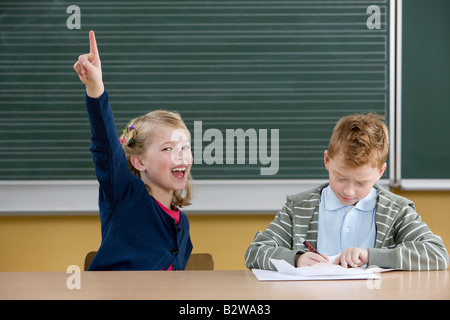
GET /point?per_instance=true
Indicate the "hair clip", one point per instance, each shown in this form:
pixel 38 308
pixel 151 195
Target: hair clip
pixel 125 130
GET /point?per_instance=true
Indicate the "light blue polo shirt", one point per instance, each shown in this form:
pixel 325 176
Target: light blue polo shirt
pixel 341 226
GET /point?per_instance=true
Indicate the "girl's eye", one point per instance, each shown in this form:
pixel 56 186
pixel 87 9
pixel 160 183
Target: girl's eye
pixel 170 149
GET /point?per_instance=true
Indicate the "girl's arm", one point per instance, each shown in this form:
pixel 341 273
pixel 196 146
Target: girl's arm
pixel 110 162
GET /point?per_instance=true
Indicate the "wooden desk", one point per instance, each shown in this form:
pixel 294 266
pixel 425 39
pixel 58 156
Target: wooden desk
pixel 219 285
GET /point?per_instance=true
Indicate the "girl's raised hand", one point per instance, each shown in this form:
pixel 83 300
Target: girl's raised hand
pixel 89 69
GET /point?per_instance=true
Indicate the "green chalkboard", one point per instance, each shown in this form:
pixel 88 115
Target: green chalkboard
pixel 426 90
pixel 287 69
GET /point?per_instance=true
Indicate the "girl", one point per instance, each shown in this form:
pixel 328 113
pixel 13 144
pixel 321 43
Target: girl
pixel 144 177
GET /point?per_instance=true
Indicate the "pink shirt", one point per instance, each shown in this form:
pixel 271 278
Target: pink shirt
pixel 175 215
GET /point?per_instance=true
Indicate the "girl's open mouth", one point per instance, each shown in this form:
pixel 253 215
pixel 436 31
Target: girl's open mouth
pixel 179 172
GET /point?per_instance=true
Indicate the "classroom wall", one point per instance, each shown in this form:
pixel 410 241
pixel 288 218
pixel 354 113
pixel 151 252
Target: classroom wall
pixel 52 243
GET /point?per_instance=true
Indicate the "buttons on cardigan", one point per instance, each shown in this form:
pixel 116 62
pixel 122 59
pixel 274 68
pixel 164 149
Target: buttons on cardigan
pixel 174 251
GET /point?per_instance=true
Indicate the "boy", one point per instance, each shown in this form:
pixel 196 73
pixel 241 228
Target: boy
pixel 351 218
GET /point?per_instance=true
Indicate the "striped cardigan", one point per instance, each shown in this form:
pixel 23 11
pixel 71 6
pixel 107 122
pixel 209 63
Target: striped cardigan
pixel 403 241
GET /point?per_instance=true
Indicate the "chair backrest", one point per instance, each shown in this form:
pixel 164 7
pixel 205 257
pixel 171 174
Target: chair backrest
pixel 197 261
pixel 88 259
pixel 200 261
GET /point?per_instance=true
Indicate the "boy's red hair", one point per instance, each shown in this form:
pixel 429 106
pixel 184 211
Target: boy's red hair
pixel 363 139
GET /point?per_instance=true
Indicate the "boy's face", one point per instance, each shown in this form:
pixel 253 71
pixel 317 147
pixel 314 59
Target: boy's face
pixel 351 184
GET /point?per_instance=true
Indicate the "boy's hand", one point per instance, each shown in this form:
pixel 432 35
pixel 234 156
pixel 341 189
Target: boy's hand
pixel 309 259
pixel 89 69
pixel 352 258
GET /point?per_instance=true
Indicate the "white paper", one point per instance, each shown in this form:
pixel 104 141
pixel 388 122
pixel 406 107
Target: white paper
pixel 319 271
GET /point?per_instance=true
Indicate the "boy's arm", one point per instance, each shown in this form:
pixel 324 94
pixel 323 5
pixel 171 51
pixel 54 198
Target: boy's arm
pixel 275 242
pixel 417 248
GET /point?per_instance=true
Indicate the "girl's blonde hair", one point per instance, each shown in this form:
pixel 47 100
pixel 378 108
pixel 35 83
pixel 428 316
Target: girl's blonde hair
pixel 138 135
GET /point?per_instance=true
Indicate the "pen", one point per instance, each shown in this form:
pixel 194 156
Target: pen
pixel 310 247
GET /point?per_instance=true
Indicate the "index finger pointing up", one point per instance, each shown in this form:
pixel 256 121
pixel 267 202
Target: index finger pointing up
pixel 93 54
